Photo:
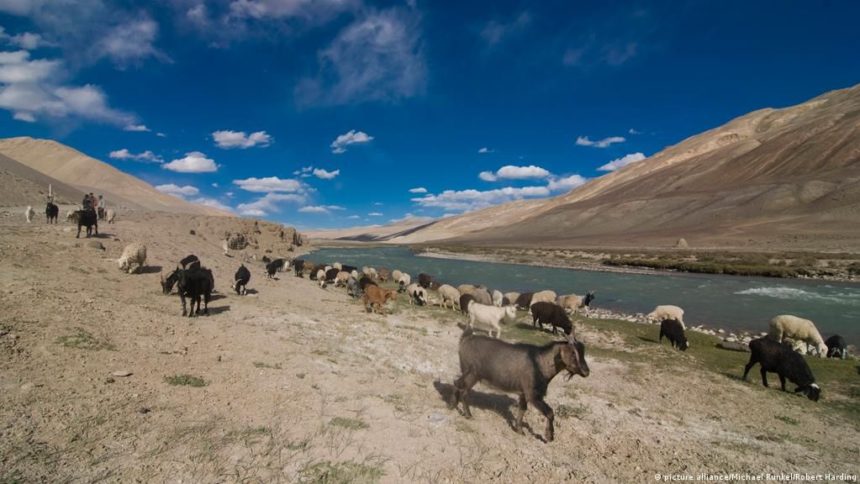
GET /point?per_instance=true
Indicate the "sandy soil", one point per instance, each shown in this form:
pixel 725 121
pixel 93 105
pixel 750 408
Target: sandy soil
pixel 302 385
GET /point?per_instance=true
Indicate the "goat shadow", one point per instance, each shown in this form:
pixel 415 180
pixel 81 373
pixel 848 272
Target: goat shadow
pixel 217 296
pixel 251 291
pixel 500 404
pixel 214 311
pixel 650 340
pixel 149 270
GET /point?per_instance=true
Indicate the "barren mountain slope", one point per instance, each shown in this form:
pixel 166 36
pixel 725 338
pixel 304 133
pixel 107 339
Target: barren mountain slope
pixel 23 186
pixel 89 174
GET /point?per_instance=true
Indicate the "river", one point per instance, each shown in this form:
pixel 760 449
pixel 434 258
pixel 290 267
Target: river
pixel 733 303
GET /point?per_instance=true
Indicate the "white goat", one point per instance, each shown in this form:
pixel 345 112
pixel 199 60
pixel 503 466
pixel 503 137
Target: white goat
pixel 491 316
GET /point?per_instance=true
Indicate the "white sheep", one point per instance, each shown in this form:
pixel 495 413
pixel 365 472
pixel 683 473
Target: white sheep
pixel 416 294
pixel 788 326
pixel 544 296
pixel 341 278
pixel 395 275
pixel 661 313
pixel 491 316
pixel 338 266
pixel 404 280
pixel 497 298
pixel 28 213
pixel 110 216
pixel 449 294
pixel 133 254
pixel 512 297
pixel 370 272
pixel 572 302
pixel 225 247
pixel 321 278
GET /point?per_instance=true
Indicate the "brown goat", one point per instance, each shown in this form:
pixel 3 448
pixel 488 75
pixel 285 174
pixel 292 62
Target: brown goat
pixel 517 368
pixel 375 296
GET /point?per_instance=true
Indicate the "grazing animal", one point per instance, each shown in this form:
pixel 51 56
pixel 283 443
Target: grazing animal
pixel 417 294
pixel 572 303
pixel 491 316
pixel 498 297
pixel 88 219
pixel 425 280
pixel 320 277
pixel 110 215
pixel 674 331
pixel 836 347
pixel 364 282
pixel 52 211
pixel 465 299
pixel 330 275
pixel 168 282
pixel 383 274
pixel 347 268
pixel 779 358
pixel 520 368
pixel 299 267
pixel 403 281
pixel 788 326
pixel 72 216
pixel 375 297
pixel 370 272
pixel 28 213
pixel 550 313
pixel 341 278
pixel 240 280
pixel 353 288
pixel 666 312
pixel 395 275
pixel 449 294
pixel 195 284
pixel 543 296
pixel 511 297
pixel 482 295
pixel 466 288
pixel 524 300
pixel 133 255
pixel 273 267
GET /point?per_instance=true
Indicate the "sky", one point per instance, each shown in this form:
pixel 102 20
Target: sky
pixel 336 113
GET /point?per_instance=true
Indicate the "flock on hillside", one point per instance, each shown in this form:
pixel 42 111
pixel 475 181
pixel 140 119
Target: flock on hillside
pixel 517 368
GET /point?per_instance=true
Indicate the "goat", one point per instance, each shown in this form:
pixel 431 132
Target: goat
pixel 375 297
pixel 779 358
pixel 88 219
pixel 425 280
pixel 240 280
pixel 273 267
pixel 836 347
pixel 524 300
pixel 417 294
pixel 674 331
pixel 465 299
pixel 195 284
pixel 298 267
pixel 520 368
pixel 550 313
pixel 191 261
pixel 491 316
pixel 133 254
pixel 52 211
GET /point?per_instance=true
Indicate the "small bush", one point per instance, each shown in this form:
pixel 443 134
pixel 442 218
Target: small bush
pixel 348 423
pixel 84 340
pixel 327 472
pixel 186 380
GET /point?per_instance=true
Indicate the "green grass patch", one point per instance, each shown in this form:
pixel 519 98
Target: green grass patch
pixel 570 411
pixel 84 340
pixel 786 419
pixel 348 423
pixel 185 380
pixel 327 472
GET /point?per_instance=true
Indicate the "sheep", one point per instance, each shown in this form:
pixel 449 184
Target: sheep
pixel 273 267
pixel 337 265
pixel 788 326
pixel 667 312
pixel 225 247
pixel 482 296
pixel 383 274
pixel 779 358
pixel 424 280
pixel 370 272
pixel 28 213
pixel 491 316
pixel 497 298
pixel 110 215
pixel 543 296
pixel 449 294
pixel 341 278
pixel 348 268
pixel 674 331
pixel 517 368
pixel 524 300
pixel 133 254
pixel 465 299
pixel 195 284
pixel 550 313
pixel 571 302
pixel 417 294
pixel 403 281
pixel 240 280
pixel 836 347
pixel 466 288
pixel 511 297
pixel 375 297
pixel 51 212
pixel 320 278
pixel 395 275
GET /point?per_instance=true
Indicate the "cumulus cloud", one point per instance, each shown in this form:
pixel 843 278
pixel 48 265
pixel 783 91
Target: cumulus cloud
pixel 375 58
pixel 487 176
pixel 211 202
pixel 465 200
pixel 311 10
pixel 136 127
pixel 239 139
pixel 375 214
pixel 130 42
pixel 622 162
pixel 271 184
pixel 512 172
pixel 24 40
pixel 495 31
pixel 178 191
pixel 304 172
pixel 325 175
pixel 603 143
pixel 354 217
pixel 351 137
pixel 269 203
pixel 193 162
pixel 418 190
pixel 146 156
pixel 566 183
pixel 485 150
pixel 320 208
pixel 408 216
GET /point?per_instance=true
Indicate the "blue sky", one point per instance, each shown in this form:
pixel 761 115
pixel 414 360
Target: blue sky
pixel 327 113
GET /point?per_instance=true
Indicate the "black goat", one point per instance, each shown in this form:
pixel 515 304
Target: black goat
pixel 552 314
pixel 299 267
pixel 241 279
pixel 273 267
pixel 266 259
pixel 517 368
pixel 52 211
pixel 190 262
pixel 87 218
pixel 464 302
pixel 347 268
pixel 672 329
pixel 331 275
pixel 425 280
pixel 837 347
pixel 364 282
pixel 168 282
pixel 781 359
pixel 195 284
pixel 524 300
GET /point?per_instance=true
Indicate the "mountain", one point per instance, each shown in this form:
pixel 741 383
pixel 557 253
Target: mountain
pixel 777 178
pixel 85 174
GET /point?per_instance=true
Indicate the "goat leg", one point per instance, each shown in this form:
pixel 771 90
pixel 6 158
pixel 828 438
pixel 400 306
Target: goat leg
pixel 522 411
pixel 547 412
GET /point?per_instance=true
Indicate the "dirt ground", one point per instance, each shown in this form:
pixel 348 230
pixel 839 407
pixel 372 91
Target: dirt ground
pixel 299 384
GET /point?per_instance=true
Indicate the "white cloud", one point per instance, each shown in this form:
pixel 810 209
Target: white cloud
pixel 211 202
pixel 269 203
pixel 376 58
pixel 418 190
pixel 161 135
pixel 304 172
pixel 487 176
pixel 566 183
pixel 351 137
pixel 130 42
pixel 622 162
pixel 317 10
pixel 178 191
pixel 193 162
pixel 378 204
pixel 136 127
pixel 325 175
pixel 375 214
pixel 512 172
pixel 485 150
pixel 146 156
pixel 604 143
pixel 465 200
pixel 271 184
pixel 412 218
pixel 238 139
pixel 495 31
pixel 634 131
pixel 24 40
pixel 320 208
